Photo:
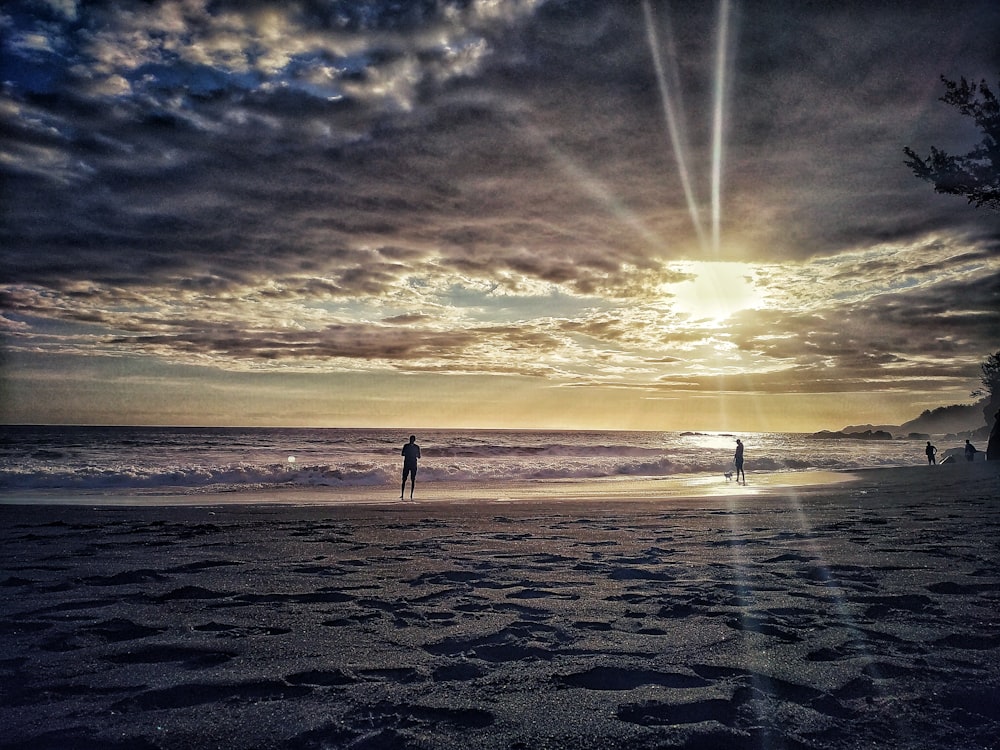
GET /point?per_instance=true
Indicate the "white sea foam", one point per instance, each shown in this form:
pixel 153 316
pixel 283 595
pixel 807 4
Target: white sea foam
pixel 126 458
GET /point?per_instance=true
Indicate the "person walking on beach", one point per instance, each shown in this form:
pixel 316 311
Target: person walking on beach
pixel 930 450
pixel 411 452
pixel 738 460
pixel 970 451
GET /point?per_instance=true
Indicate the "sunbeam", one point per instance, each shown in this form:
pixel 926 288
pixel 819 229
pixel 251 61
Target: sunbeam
pixel 745 598
pixel 838 598
pixel 674 127
pixel 594 188
pixel 718 122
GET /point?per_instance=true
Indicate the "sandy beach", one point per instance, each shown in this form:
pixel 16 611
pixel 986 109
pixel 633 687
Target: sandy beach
pixel 857 614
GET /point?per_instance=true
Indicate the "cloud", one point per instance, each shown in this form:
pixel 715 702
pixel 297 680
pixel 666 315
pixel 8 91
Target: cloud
pixel 871 316
pixel 489 187
pixel 371 126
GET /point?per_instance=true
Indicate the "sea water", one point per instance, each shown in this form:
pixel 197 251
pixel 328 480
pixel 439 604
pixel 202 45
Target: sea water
pixel 181 459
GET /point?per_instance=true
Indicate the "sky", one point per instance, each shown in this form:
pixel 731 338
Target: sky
pixel 483 214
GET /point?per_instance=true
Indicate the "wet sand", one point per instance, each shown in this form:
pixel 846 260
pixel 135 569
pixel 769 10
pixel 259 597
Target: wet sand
pixel 617 489
pixel 864 613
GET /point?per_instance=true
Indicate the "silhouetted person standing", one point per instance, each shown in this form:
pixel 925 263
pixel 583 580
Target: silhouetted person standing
pixel 970 451
pixel 738 460
pixel 930 450
pixel 411 452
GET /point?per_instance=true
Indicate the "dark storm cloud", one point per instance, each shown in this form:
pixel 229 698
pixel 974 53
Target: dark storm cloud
pixel 351 341
pixel 822 102
pixel 147 141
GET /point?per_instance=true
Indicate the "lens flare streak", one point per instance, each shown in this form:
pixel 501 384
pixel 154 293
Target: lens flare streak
pixel 674 127
pixel 670 97
pixel 718 122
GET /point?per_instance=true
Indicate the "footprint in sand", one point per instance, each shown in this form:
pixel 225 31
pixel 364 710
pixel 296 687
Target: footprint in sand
pixel 615 678
pixel 189 658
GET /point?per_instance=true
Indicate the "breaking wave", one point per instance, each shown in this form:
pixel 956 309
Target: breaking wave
pixel 191 459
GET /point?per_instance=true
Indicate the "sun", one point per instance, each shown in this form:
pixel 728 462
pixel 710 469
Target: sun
pixel 716 291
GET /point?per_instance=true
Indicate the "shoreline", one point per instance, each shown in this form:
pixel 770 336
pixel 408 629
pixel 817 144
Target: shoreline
pixel 666 489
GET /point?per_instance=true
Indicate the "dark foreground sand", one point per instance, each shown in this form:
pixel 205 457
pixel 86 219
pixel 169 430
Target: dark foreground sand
pixel 860 615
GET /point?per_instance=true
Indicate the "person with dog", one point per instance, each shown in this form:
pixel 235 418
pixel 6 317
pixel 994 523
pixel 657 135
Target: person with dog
pixel 738 460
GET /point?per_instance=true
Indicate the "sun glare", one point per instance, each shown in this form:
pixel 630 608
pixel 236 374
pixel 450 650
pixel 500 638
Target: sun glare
pixel 717 291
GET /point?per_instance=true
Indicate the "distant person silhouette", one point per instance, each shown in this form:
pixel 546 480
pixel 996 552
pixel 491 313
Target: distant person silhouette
pixel 970 451
pixel 410 453
pixel 930 450
pixel 738 460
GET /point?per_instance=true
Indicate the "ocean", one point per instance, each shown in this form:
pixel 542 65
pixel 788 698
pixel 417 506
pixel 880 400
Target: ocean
pixel 191 460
